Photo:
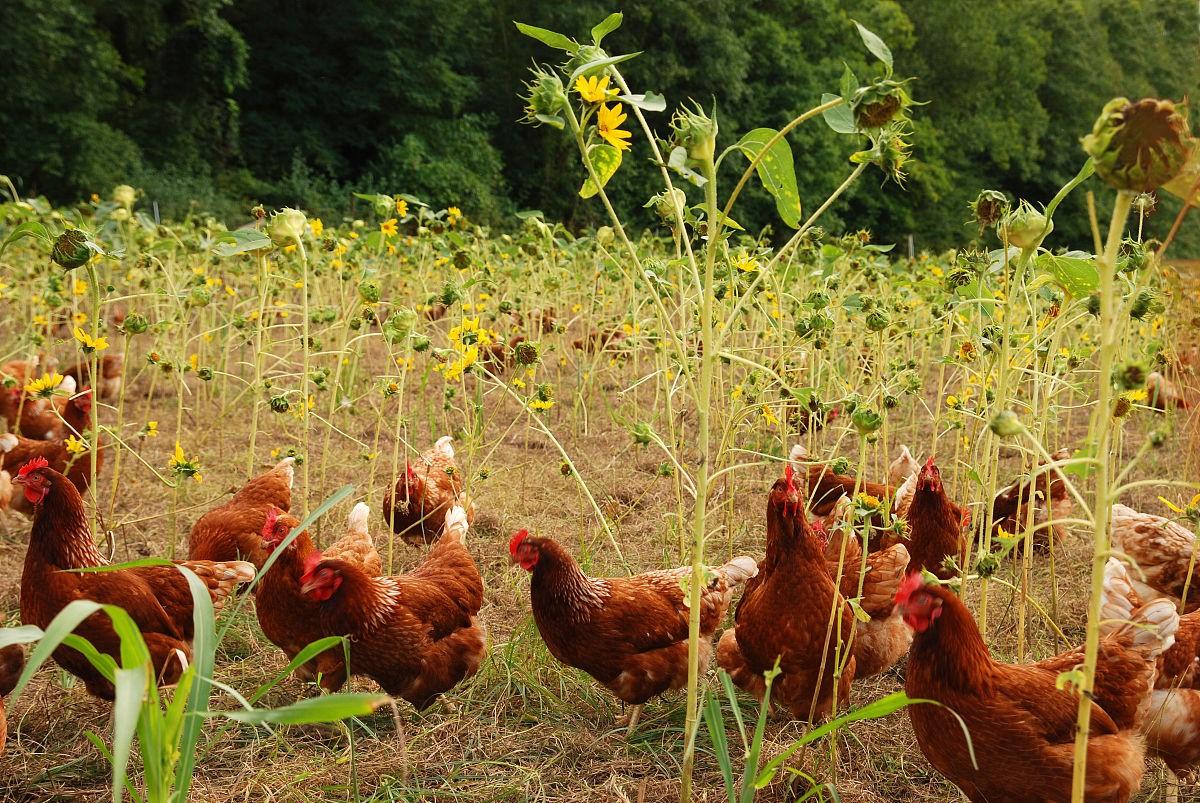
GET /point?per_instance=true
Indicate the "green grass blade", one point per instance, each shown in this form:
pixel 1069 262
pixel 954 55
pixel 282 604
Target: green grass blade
pixel 130 687
pixel 60 627
pixel 314 710
pixel 204 649
pixel 715 721
pixel 731 695
pixel 875 710
pixel 311 651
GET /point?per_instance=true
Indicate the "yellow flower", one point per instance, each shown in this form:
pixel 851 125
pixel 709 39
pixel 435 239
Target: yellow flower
pixel 745 263
pixel 576 308
pixel 151 430
pixel 608 122
pixel 953 402
pixel 769 417
pixel 541 405
pixel 194 361
pixel 1176 509
pixel 388 227
pixel 184 467
pixel 518 383
pixel 317 227
pixel 80 318
pixel 594 89
pixel 45 386
pixel 353 235
pixel 867 500
pixel 79 287
pixel 401 207
pixel 453 214
pixel 1139 395
pixel 88 343
pixel 40 320
pixel 736 393
pixel 391 249
pixel 75 445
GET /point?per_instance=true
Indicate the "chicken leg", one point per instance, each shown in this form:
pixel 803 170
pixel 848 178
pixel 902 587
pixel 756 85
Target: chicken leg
pixel 630 719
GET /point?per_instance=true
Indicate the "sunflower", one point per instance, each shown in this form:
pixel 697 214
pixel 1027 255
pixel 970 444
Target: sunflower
pixel 388 227
pixel 594 89
pixel 88 343
pixel 608 121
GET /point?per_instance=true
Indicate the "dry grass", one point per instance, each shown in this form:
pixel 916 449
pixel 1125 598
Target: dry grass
pixel 526 728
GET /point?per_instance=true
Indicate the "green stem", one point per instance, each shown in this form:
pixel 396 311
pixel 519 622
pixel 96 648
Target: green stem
pixel 1101 427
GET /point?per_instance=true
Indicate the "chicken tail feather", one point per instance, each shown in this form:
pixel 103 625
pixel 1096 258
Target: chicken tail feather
pixel 738 570
pixel 1149 629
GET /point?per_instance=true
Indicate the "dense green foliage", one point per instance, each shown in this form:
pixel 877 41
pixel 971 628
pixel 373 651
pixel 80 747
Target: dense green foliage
pixel 300 102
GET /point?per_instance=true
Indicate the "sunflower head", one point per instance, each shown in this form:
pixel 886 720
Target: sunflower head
pixel 1139 145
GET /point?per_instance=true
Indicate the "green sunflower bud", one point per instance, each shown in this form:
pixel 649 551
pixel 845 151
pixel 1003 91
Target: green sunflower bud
pixel 878 320
pixel 134 324
pixel 199 297
pixel 71 249
pixel 1139 145
pixel 280 404
pixel 866 421
pixel 1146 302
pixel 1025 227
pixel 205 373
pixel 1006 424
pixel 368 292
pixel 287 226
pixel 124 195
pixel 696 132
pixel 545 98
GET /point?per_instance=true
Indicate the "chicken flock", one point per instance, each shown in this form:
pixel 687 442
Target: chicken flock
pixel 840 594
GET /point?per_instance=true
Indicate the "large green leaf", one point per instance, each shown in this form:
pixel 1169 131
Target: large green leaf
pixel 605 160
pixel 596 64
pixel 649 102
pixel 204 650
pixel 311 711
pixel 839 118
pixel 610 24
pixel 240 241
pixel 1074 272
pixel 546 37
pixel 876 46
pixel 776 170
pixel 30 228
pixel 1186 185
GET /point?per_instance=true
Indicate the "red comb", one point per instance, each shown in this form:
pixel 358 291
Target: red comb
pixel 518 537
pixel 911 583
pixel 311 560
pixel 269 525
pixel 33 465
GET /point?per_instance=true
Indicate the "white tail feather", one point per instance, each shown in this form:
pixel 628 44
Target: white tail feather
pixel 445 445
pixel 8 442
pixel 739 570
pixel 356 522
pixel 456 522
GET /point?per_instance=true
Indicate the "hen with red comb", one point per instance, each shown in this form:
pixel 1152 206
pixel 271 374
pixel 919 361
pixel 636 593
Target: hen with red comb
pixel 415 508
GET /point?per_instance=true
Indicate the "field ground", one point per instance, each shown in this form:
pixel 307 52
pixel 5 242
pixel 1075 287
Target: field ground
pixel 525 728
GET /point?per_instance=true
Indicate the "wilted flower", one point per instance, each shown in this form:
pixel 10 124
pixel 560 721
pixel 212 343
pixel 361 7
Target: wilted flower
pixel 988 208
pixel 71 249
pixel 877 105
pixel 1139 145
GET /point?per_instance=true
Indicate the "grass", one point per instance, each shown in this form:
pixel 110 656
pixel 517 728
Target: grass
pixel 525 728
